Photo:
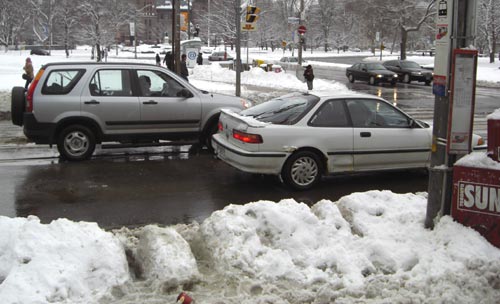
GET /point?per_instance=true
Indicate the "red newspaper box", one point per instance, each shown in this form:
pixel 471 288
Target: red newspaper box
pixel 476 200
pixel 494 138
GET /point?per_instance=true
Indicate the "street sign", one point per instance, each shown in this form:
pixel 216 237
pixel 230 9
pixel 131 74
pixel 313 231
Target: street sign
pixel 283 43
pixel 301 29
pixel 191 55
pixel 248 27
pixel 293 20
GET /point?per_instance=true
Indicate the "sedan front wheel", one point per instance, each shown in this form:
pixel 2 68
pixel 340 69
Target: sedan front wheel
pixel 302 170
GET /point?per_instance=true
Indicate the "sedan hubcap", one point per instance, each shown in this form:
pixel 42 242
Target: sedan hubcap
pixel 76 143
pixel 304 171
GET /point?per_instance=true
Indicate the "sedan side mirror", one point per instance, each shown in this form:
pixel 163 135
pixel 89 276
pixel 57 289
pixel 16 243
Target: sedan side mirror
pixel 185 93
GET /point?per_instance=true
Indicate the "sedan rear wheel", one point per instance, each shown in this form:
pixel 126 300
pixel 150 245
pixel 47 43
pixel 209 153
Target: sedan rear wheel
pixel 302 170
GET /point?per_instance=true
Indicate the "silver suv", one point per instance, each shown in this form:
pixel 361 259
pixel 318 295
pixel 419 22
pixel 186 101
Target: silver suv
pixel 79 105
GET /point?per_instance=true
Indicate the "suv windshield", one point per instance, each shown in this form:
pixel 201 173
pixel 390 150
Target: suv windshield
pixel 409 64
pixel 285 110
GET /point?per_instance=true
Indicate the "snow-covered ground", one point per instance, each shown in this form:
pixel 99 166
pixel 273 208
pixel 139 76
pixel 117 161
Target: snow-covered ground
pixel 365 248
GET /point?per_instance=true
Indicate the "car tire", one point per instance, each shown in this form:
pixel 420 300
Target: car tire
pixel 17 105
pixel 351 78
pixel 211 129
pixel 76 143
pixel 406 78
pixel 427 82
pixel 302 170
pixel 371 81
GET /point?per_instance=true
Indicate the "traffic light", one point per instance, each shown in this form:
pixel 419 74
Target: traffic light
pixel 252 14
pixel 382 47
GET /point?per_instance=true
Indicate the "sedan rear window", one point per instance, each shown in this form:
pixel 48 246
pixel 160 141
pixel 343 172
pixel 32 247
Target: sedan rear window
pixel 285 110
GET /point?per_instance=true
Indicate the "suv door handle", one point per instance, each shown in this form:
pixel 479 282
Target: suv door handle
pixel 150 102
pixel 93 101
pixel 365 134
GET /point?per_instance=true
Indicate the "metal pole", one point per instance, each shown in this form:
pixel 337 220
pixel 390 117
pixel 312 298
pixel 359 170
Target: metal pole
pixel 300 40
pixel 177 40
pixel 440 187
pixel 209 17
pixel 189 19
pixel 238 46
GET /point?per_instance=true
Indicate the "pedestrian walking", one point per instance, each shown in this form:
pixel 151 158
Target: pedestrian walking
pixel 184 69
pixel 199 59
pixel 28 72
pixel 158 60
pixel 309 76
pixel 168 60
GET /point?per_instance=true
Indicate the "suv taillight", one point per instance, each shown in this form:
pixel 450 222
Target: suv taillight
pixel 247 137
pixel 31 90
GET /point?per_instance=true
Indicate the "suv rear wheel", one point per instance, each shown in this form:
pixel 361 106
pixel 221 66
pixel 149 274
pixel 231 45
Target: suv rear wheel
pixel 76 142
pixel 18 103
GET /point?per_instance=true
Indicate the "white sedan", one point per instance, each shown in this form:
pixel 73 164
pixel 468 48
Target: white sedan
pixel 302 137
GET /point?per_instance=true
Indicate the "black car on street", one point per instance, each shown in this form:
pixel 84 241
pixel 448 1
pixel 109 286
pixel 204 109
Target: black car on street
pixel 373 72
pixel 409 71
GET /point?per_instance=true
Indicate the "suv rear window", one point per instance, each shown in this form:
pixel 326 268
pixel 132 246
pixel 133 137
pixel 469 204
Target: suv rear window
pixel 60 82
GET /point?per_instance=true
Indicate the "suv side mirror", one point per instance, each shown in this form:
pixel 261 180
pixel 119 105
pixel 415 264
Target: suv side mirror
pixel 185 93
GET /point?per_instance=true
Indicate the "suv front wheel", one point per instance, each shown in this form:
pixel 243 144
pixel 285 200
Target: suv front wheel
pixel 76 142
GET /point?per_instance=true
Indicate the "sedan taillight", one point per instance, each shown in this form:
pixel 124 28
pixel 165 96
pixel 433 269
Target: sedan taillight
pixel 220 126
pixel 247 137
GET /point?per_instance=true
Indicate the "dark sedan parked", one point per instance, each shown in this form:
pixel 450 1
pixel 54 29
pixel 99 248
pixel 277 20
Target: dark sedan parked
pixel 40 52
pixel 373 72
pixel 409 71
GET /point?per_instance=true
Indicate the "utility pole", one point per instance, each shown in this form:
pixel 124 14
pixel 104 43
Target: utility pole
pixel 176 42
pixel 461 19
pixel 300 38
pixel 208 26
pixel 238 46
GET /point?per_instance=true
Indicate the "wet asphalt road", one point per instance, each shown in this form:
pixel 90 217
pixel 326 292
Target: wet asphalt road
pixel 182 184
pixel 165 188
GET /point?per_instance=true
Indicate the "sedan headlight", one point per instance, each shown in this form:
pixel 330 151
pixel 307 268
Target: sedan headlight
pixel 379 76
pixel 395 76
pixel 246 103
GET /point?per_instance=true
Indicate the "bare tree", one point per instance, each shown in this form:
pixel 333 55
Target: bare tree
pixel 13 17
pixel 411 18
pixel 67 15
pixel 489 25
pixel 95 26
pixel 44 13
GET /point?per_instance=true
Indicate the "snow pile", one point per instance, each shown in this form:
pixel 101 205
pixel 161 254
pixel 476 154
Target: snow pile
pixel 259 77
pixel 165 256
pixel 366 248
pixel 58 262
pixel 478 160
pixel 495 115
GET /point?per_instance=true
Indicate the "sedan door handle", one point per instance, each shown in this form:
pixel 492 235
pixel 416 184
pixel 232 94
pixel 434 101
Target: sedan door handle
pixel 92 102
pixel 365 134
pixel 150 102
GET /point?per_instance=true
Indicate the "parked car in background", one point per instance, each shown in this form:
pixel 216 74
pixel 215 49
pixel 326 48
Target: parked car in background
pixel 77 105
pixel 40 52
pixel 301 137
pixel 373 72
pixel 409 71
pixel 290 62
pixel 220 56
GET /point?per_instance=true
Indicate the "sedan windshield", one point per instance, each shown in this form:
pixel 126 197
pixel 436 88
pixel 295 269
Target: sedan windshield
pixel 285 110
pixel 409 65
pixel 375 66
